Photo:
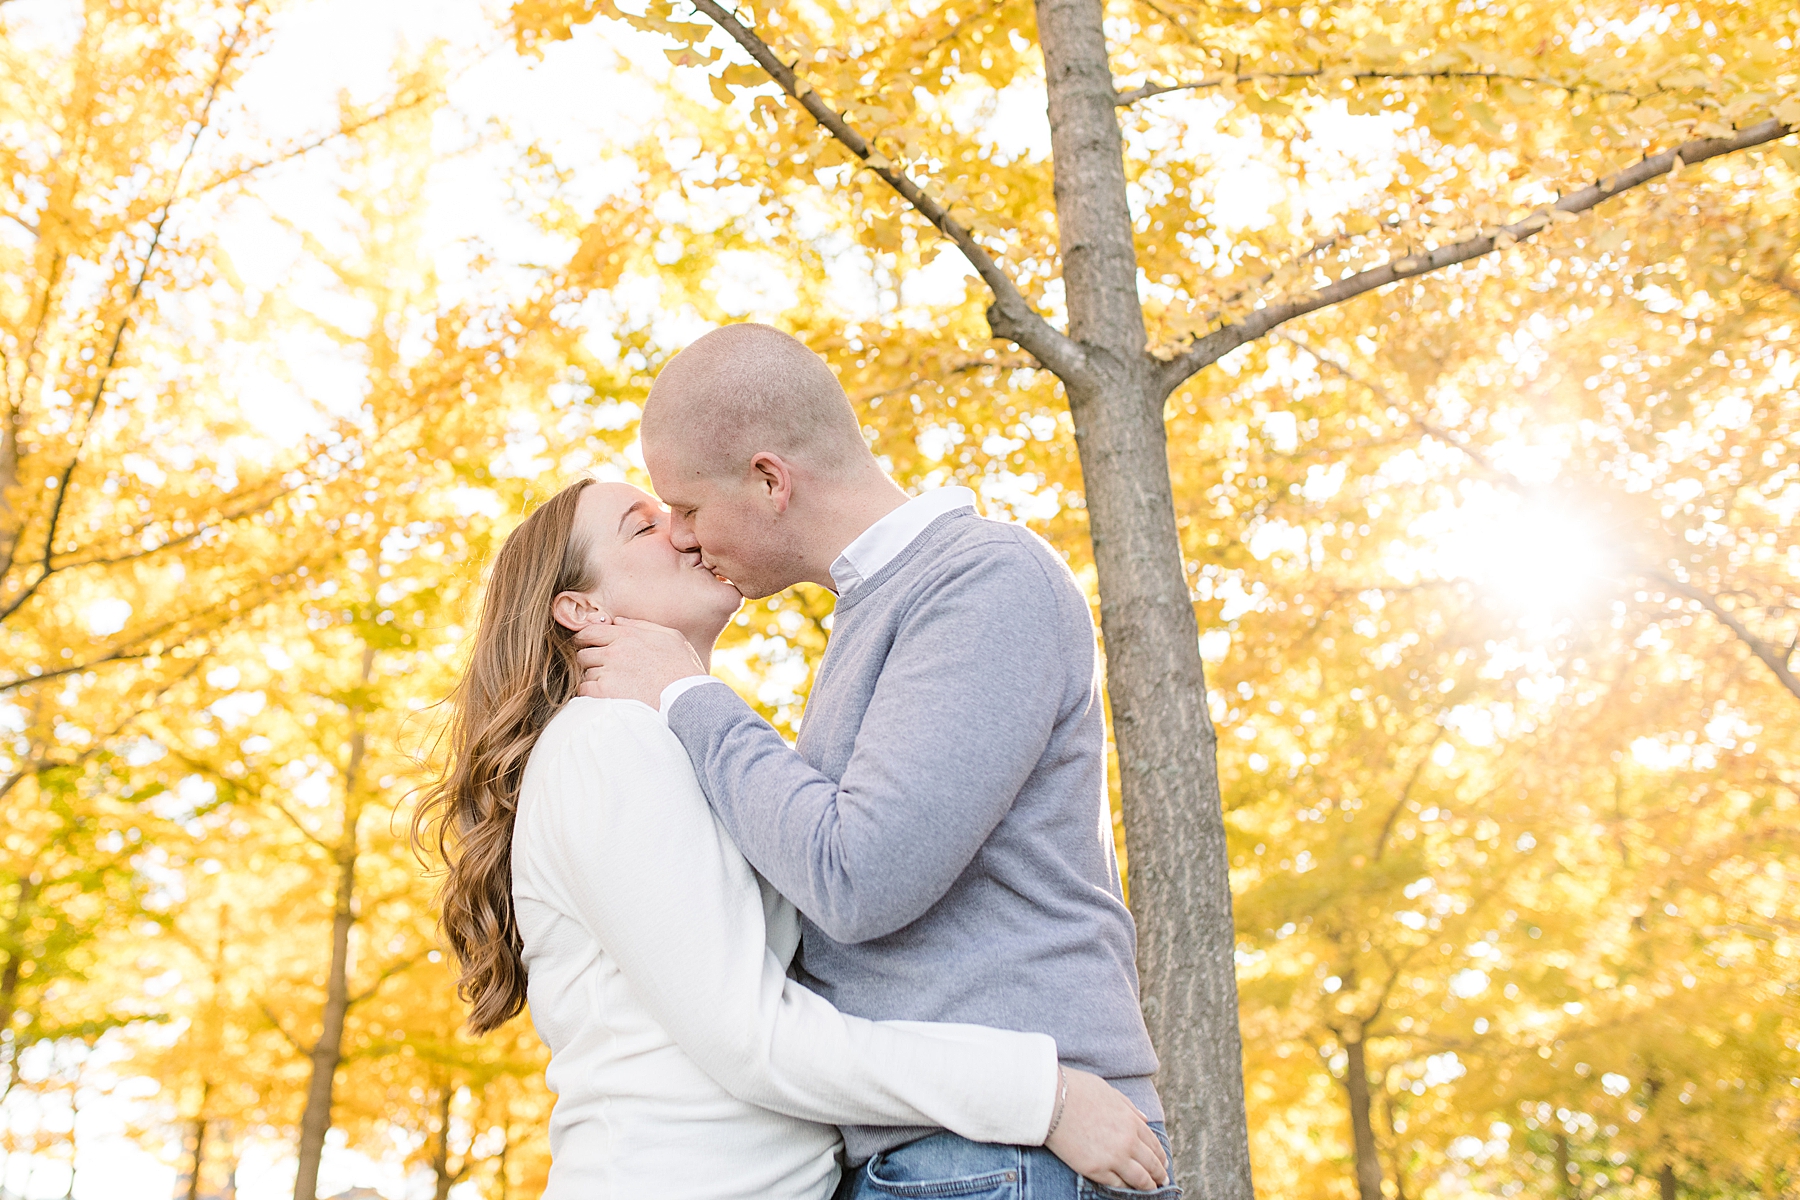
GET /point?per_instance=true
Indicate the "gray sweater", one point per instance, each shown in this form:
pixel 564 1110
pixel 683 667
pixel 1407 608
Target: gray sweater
pixel 942 824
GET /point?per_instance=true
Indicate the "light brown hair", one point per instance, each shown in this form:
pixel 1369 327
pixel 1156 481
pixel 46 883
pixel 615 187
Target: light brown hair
pixel 521 670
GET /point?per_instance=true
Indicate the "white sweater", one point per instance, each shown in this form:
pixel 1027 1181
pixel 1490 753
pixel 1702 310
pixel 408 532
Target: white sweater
pixel 686 1065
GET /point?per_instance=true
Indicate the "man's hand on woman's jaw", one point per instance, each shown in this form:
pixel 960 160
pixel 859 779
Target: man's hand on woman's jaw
pixel 1103 1137
pixel 633 660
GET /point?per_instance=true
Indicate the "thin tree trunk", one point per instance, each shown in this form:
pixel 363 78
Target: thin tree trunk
pixel 1174 827
pixel 1387 1108
pixel 327 1052
pixel 1566 1186
pixel 13 955
pixel 199 1159
pixel 1362 1127
pixel 9 479
pixel 440 1157
pixel 75 1125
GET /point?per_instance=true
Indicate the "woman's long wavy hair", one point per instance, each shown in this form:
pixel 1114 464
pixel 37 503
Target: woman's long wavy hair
pixel 522 669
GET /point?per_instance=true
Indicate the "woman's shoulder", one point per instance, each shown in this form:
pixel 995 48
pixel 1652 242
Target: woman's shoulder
pixel 603 763
pixel 586 721
pixel 588 733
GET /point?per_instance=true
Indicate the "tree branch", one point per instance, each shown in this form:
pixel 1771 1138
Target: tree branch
pixel 18 681
pixel 961 368
pixel 253 507
pixel 104 375
pixel 1215 345
pixel 1214 81
pixel 388 972
pixel 289 1038
pixel 1011 315
pixel 1771 657
pixel 301 149
pixel 1430 428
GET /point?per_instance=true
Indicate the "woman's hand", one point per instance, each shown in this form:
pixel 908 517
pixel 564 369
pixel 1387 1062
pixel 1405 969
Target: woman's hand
pixel 1103 1136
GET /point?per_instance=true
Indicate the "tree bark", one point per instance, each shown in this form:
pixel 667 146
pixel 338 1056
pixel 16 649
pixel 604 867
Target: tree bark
pixel 1362 1126
pixel 1566 1185
pixel 1174 826
pixel 12 959
pixel 328 1051
pixel 440 1156
pixel 1665 1182
pixel 1387 1106
pixel 199 1159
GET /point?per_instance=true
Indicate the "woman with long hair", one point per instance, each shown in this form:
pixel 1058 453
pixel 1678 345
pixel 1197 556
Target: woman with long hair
pixel 586 874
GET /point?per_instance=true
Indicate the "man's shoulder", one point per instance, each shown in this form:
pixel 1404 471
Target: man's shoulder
pixel 1007 546
pixel 994 563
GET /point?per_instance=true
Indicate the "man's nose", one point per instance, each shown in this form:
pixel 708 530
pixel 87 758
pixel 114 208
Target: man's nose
pixel 681 535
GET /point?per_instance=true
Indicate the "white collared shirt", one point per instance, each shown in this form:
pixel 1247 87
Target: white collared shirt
pixel 862 559
pixel 881 542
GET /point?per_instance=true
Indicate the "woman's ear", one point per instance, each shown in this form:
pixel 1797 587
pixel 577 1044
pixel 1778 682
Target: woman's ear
pixel 575 611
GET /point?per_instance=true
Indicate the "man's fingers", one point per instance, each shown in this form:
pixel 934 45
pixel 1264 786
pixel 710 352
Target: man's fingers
pixel 597 635
pixel 1150 1153
pixel 590 689
pixel 593 657
pixel 637 624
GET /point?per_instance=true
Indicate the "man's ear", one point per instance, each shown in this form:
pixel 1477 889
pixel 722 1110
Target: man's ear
pixel 775 479
pixel 575 611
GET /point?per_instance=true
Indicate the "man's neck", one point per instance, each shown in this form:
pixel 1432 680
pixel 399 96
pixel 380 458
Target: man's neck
pixel 847 513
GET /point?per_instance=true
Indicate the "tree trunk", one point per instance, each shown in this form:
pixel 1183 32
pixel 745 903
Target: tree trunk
pixel 1566 1187
pixel 1665 1182
pixel 1174 827
pixel 199 1159
pixel 328 1051
pixel 1387 1108
pixel 75 1123
pixel 1362 1127
pixel 9 479
pixel 440 1156
pixel 12 955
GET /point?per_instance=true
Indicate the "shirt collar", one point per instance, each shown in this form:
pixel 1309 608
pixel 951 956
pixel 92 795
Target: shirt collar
pixel 881 542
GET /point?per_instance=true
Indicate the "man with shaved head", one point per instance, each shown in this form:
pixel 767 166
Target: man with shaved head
pixel 942 823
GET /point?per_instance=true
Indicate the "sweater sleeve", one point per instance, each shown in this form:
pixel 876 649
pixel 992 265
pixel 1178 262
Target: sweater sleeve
pixel 964 707
pixel 619 832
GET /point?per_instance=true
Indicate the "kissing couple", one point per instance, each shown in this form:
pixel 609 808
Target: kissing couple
pixel 907 927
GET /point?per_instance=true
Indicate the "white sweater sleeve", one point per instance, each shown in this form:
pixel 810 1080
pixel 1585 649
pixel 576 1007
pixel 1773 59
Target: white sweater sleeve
pixel 616 828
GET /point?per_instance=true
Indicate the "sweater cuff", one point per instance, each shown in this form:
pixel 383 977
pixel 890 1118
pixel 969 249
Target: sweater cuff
pixel 699 714
pixel 1050 1072
pixel 679 688
pixel 1033 1083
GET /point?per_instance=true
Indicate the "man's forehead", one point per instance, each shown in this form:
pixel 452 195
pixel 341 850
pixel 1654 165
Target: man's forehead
pixel 675 469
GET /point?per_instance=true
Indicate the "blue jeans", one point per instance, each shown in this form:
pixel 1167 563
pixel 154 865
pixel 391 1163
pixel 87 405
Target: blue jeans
pixel 948 1166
